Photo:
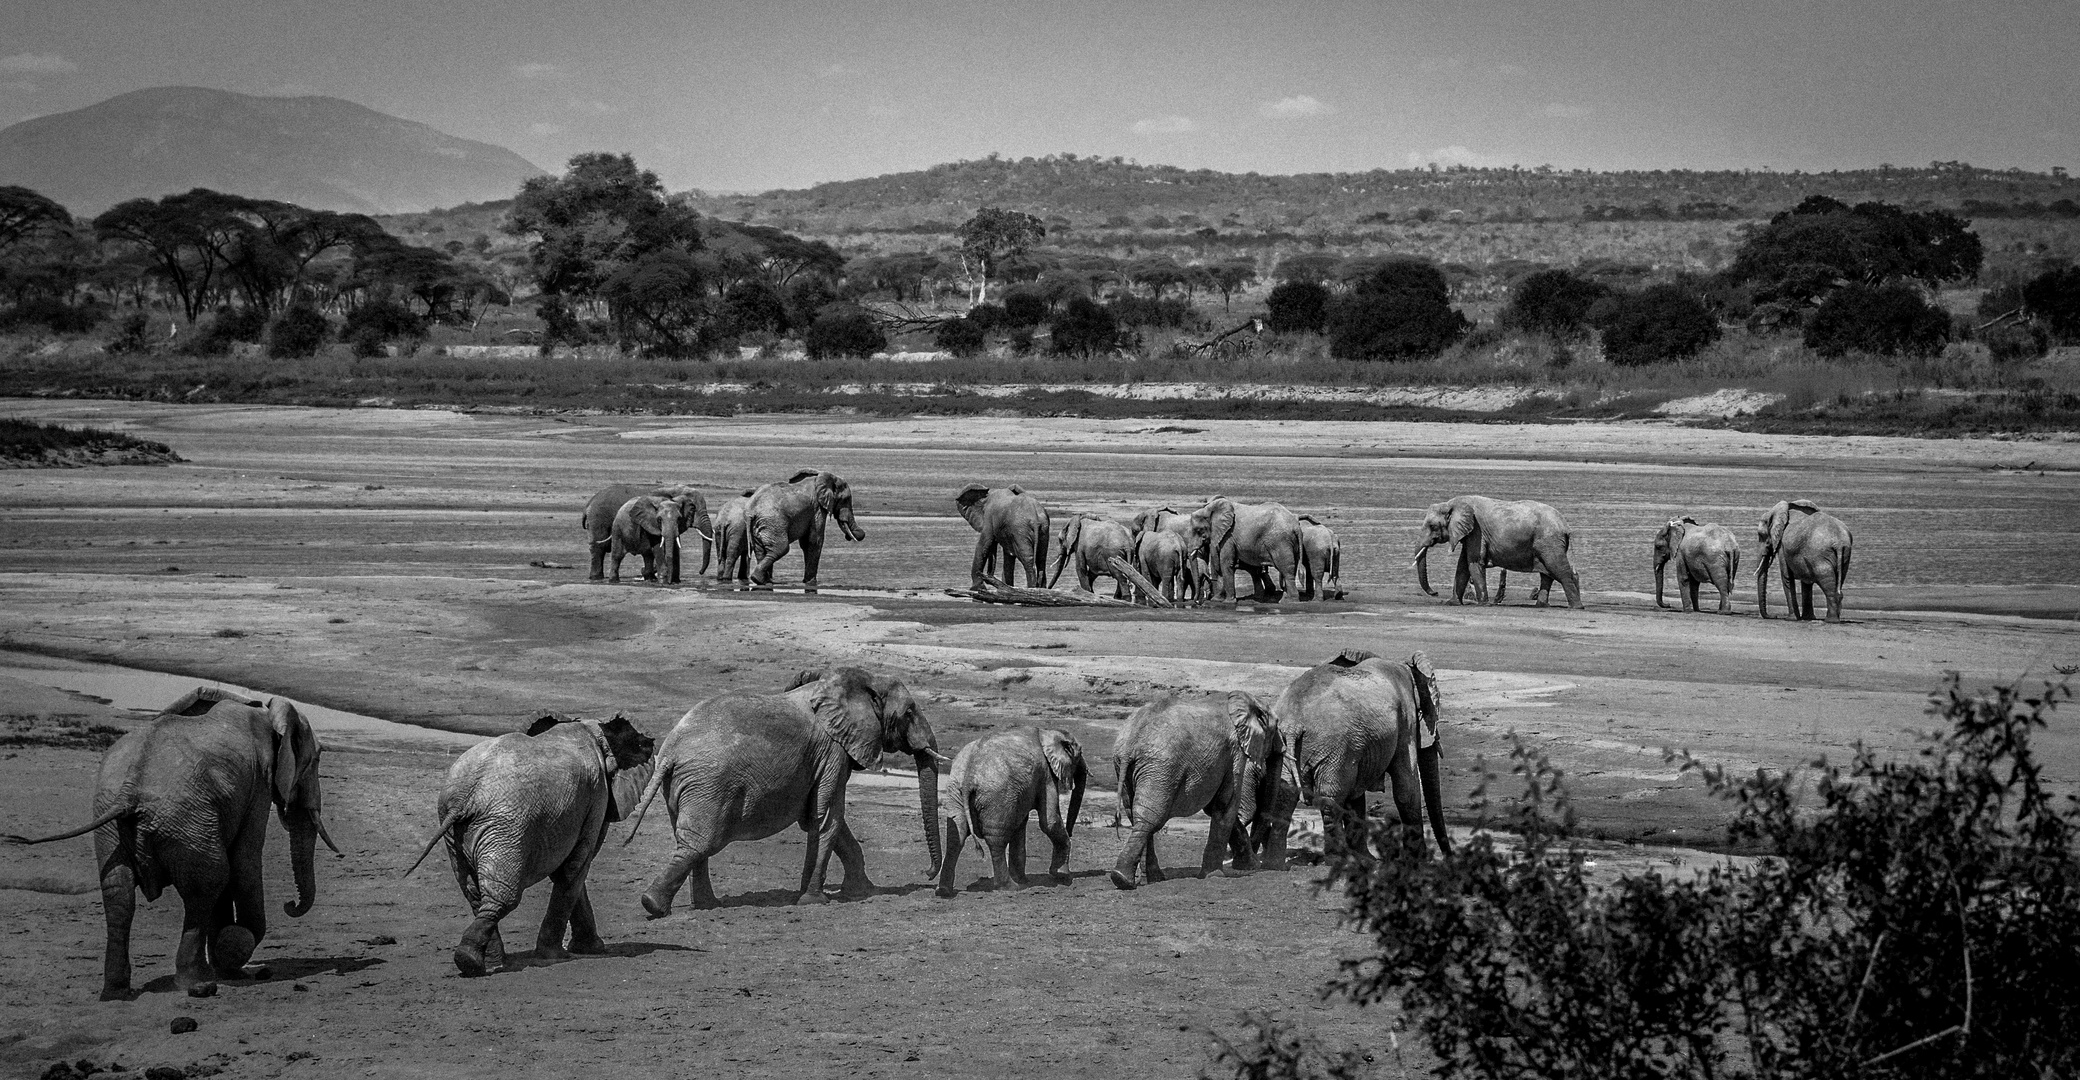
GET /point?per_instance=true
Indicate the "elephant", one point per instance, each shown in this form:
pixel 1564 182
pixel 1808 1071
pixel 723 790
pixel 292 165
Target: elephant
pixel 598 518
pixel 1162 559
pixel 1701 553
pixel 1521 536
pixel 1190 530
pixel 1814 546
pixel 732 544
pixel 1321 561
pixel 1177 757
pixel 528 806
pixel 744 766
pixel 1351 725
pixel 1093 541
pixel 1257 537
pixel 794 511
pixel 1010 521
pixel 182 800
pixel 999 780
pixel 648 525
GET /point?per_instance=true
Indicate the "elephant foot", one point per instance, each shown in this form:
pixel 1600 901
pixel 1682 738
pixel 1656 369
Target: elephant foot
pixel 1060 877
pixel 656 907
pixel 469 960
pixel 1277 865
pixel 946 892
pixel 1122 882
pixel 117 992
pixel 862 891
pixel 199 986
pixel 233 946
pixel 589 946
pixel 1013 885
pixel 551 952
pixel 1155 876
pixel 813 896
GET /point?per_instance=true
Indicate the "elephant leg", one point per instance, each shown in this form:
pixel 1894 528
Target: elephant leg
pixel 1690 588
pixel 118 905
pixel 597 549
pixel 482 947
pixel 688 863
pixel 614 571
pixel 1222 811
pixel 853 859
pixel 191 971
pixel 1832 588
pixel 769 551
pixel 1153 869
pixel 1790 595
pixel 956 838
pixel 1268 836
pixel 585 939
pixel 823 830
pixel 1543 594
pixel 1408 802
pixel 812 556
pixel 983 562
pixel 241 923
pixel 1462 573
pixel 1015 854
pixel 556 919
pixel 1058 837
pixel 1131 850
pixel 1000 865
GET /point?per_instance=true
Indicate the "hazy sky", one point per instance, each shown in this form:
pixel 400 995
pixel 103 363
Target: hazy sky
pixel 753 95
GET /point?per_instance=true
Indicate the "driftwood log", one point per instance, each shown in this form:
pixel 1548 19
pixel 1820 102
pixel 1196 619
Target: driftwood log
pixel 997 592
pixel 1128 574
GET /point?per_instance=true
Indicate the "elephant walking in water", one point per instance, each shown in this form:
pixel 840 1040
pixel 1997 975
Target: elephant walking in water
pixel 182 800
pixel 1177 757
pixel 1321 561
pixel 1010 521
pixel 794 512
pixel 523 807
pixel 999 781
pixel 1261 538
pixel 1814 546
pixel 1701 553
pixel 1353 725
pixel 1522 536
pixel 598 518
pixel 745 766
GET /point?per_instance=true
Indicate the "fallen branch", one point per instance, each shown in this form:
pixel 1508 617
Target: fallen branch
pixel 996 592
pixel 1126 573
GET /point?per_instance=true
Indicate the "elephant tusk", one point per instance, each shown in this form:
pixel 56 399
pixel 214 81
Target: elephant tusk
pixel 939 757
pixel 702 535
pixel 326 836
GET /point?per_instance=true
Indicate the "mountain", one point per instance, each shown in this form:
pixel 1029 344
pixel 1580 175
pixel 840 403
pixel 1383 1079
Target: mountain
pixel 319 152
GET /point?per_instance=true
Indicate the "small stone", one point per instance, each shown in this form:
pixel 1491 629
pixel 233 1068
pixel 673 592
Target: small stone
pixel 300 988
pixel 183 1024
pixel 164 1072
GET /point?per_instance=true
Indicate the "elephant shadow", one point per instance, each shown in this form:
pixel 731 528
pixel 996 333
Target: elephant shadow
pixel 617 950
pixel 281 970
pixel 787 897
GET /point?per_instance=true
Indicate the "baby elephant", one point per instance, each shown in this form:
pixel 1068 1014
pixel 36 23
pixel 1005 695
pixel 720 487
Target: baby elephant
pixel 520 808
pixel 998 781
pixel 1701 553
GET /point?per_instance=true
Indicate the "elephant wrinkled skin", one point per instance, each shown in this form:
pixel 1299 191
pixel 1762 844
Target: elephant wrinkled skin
pixel 1353 724
pixel 1522 536
pixel 182 800
pixel 648 526
pixel 598 518
pixel 528 806
pixel 1258 537
pixel 744 766
pixel 1176 757
pixel 998 782
pixel 732 542
pixel 1093 542
pixel 1814 546
pixel 1321 561
pixel 1701 552
pixel 1010 521
pixel 795 512
pixel 1193 577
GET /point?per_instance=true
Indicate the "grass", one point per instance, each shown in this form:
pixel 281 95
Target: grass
pixel 32 440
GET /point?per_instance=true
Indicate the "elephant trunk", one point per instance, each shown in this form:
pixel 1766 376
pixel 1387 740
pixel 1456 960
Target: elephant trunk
pixel 1423 569
pixel 928 804
pixel 1762 583
pixel 303 850
pixel 705 526
pixel 1433 799
pixel 848 526
pixel 1660 572
pixel 1075 799
pixel 668 550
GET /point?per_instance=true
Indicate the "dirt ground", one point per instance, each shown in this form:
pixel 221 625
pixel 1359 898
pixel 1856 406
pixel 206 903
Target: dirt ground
pixel 426 568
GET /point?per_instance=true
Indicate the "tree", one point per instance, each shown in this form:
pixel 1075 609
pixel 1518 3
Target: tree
pixel 842 329
pixel 1024 306
pixel 25 213
pixel 297 332
pixel 1656 324
pixel 1888 320
pixel 1084 328
pixel 993 235
pixel 1310 266
pixel 2054 297
pixel 1400 311
pixel 961 337
pixel 188 239
pixel 1232 276
pixel 1823 244
pixel 1552 302
pixel 1297 307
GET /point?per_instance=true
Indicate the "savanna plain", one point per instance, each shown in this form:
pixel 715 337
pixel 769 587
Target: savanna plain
pixel 426 568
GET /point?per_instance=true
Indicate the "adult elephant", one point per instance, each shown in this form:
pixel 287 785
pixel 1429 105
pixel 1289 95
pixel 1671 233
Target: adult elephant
pixel 598 518
pixel 1523 536
pixel 1260 538
pixel 1177 757
pixel 744 766
pixel 1190 530
pixel 1352 725
pixel 1321 561
pixel 1008 521
pixel 523 807
pixel 732 542
pixel 1814 547
pixel 182 800
pixel 648 526
pixel 1701 552
pixel 1162 559
pixel 1093 541
pixel 794 511
pixel 999 781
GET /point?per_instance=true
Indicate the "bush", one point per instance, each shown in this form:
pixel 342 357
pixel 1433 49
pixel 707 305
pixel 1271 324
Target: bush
pixel 1915 918
pixel 1085 327
pixel 54 315
pixel 1401 310
pixel 2011 341
pixel 988 316
pixel 753 307
pixel 843 329
pixel 133 337
pixel 1297 307
pixel 228 327
pixel 297 332
pixel 1889 320
pixel 1552 302
pixel 1024 306
pixel 1140 311
pixel 2054 297
pixel 1656 324
pixel 961 337
pixel 384 318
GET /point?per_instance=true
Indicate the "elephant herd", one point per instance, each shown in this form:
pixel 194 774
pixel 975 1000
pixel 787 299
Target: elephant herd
pixel 758 524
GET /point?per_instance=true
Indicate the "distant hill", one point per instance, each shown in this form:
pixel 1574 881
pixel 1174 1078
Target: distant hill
pixel 319 152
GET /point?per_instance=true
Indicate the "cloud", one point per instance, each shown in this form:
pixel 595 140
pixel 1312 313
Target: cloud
pixel 1297 105
pixel 1164 125
pixel 1451 155
pixel 1559 111
pixel 538 70
pixel 37 64
pixel 545 129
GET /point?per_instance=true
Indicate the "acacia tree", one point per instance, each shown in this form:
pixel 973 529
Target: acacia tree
pixel 1822 244
pixel 1232 276
pixel 188 238
pixel 25 213
pixel 993 235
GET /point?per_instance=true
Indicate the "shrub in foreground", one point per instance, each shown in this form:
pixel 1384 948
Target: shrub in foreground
pixel 1654 325
pixel 1889 320
pixel 1914 918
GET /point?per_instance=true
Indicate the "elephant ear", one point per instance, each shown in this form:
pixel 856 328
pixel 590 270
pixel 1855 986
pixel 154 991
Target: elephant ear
pixel 1804 506
pixel 968 499
pixel 1063 756
pixel 804 678
pixel 1220 520
pixel 1252 731
pixel 202 699
pixel 1772 530
pixel 546 721
pixel 846 704
pixel 1310 519
pixel 1350 658
pixel 641 512
pixel 804 475
pixel 1425 678
pixel 295 754
pixel 1463 522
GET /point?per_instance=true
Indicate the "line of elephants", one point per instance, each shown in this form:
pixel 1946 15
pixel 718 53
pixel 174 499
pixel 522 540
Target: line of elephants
pixel 1192 556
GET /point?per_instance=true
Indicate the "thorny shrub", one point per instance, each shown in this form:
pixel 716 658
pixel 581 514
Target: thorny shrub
pixel 1912 918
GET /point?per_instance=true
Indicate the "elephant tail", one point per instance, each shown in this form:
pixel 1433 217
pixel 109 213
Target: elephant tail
pixel 1126 788
pixel 112 815
pixel 448 825
pixel 1841 567
pixel 650 791
pixel 968 812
